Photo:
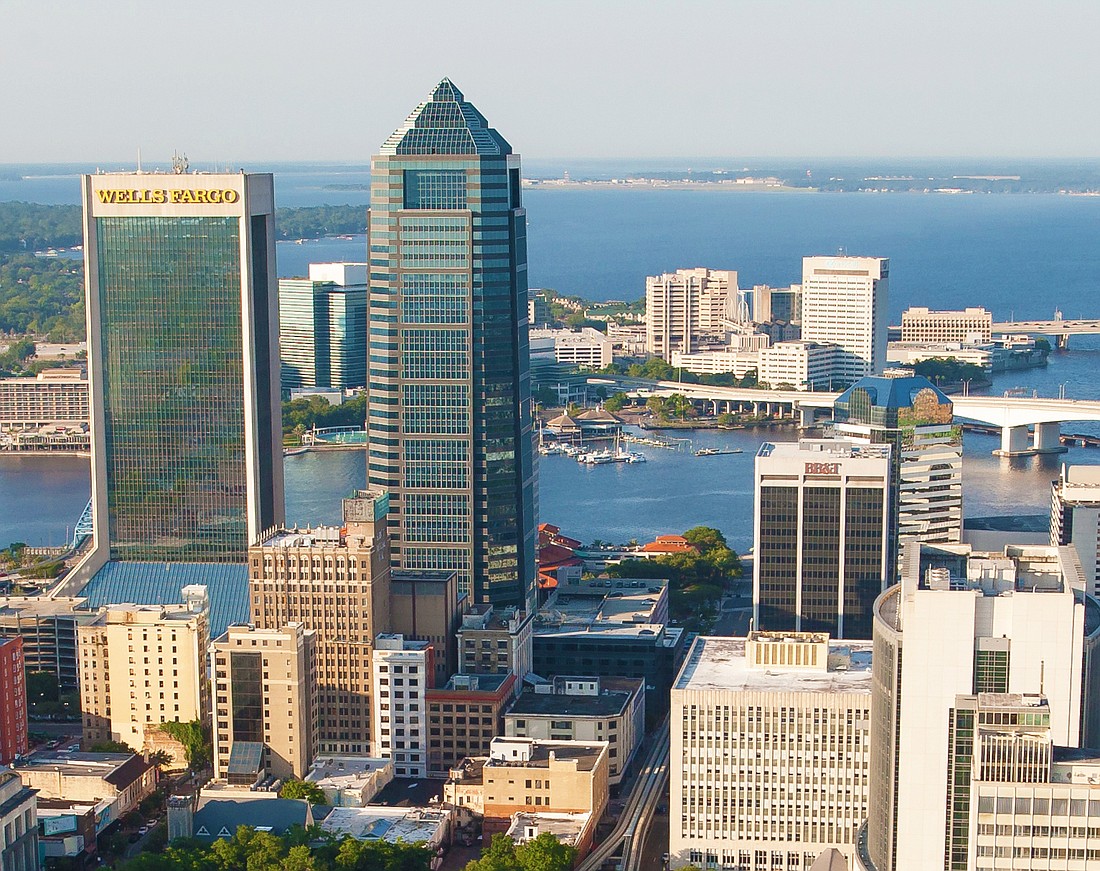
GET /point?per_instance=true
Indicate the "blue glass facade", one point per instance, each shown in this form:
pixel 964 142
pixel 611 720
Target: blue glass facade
pixel 322 334
pixel 449 414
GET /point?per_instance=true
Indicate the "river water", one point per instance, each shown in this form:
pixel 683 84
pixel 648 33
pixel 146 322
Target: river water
pixel 1020 255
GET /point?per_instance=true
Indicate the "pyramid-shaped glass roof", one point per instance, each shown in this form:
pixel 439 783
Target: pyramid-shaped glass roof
pixel 445 124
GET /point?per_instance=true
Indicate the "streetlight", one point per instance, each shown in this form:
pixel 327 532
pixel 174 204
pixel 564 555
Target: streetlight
pixel 966 386
pixel 1062 390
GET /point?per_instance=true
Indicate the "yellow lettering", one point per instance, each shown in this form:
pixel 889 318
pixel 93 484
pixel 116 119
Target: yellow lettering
pixel 176 196
pixel 106 196
pixel 158 196
pixel 231 196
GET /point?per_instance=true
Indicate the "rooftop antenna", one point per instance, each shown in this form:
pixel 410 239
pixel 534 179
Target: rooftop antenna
pixel 179 163
pixel 139 159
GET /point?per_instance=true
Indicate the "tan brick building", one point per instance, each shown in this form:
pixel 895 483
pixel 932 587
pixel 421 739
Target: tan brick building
pixel 143 665
pixel 265 703
pixel 526 775
pixel 336 582
pixel 464 717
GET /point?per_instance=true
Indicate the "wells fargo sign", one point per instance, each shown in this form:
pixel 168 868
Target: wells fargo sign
pixel 154 196
pixel 822 468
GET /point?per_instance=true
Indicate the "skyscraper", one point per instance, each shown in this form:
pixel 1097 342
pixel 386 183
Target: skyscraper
pixel 184 386
pixel 844 303
pixel 323 327
pixel 820 531
pixel 917 420
pixel 684 309
pixel 998 626
pixel 449 409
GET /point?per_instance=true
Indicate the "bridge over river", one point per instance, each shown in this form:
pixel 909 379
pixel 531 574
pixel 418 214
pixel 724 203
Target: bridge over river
pixel 1029 425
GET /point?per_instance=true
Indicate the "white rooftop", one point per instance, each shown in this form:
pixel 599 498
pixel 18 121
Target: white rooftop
pixel 567 828
pixel 722 664
pixel 345 771
pixel 392 824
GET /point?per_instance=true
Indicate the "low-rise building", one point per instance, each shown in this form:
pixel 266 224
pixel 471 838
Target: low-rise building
pixel 573 830
pixel 1075 518
pixel 495 641
pixel 970 325
pixel 69 829
pixel 18 825
pixel 770 747
pixel 429 827
pixel 120 779
pixel 54 397
pixel 531 776
pixel 144 665
pixel 584 709
pixel 583 347
pixel 401 673
pixel 13 692
pixel 48 627
pixel 265 703
pixel 350 781
pixel 464 716
pixel 737 362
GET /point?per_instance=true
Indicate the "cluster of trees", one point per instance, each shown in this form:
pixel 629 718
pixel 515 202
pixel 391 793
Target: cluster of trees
pixel 944 370
pixel 42 296
pixel 299 849
pixel 697 578
pixel 313 222
pixel 303 414
pixel 544 853
pixel 311 792
pixel 33 227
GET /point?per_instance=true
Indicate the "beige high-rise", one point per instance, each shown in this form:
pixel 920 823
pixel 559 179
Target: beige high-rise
pixel 265 703
pixel 684 309
pixel 335 581
pixel 143 665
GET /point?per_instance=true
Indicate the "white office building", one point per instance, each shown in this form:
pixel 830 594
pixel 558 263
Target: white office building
pixel 583 347
pixel 844 302
pixel 735 362
pixel 1075 517
pixel 802 365
pixel 401 672
pixel 970 326
pixel 963 623
pixel 770 751
pixel 685 309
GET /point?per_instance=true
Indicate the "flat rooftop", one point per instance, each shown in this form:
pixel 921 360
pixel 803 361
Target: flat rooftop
pixel 393 825
pixel 567 828
pixel 721 664
pixel 602 606
pixel 118 769
pixel 318 536
pixel 344 771
pixel 585 755
pixel 611 702
pixel 46 606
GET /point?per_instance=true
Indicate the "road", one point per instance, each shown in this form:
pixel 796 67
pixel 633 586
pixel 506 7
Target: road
pixel 629 835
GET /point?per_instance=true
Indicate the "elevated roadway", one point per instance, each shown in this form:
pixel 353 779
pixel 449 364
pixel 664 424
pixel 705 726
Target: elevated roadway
pixel 1016 416
pixel 1060 328
pixel 629 835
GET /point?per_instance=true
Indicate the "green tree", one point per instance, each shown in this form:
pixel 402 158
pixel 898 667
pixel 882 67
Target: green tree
pixel 616 402
pixel 726 419
pixel 545 853
pixel 311 792
pixel 196 743
pixel 111 747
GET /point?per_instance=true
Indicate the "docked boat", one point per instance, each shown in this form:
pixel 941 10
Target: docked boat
pixel 714 452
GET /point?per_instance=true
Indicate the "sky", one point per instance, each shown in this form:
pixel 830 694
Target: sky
pixel 240 81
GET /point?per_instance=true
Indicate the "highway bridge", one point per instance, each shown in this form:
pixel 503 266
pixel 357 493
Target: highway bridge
pixel 1029 425
pixel 1059 328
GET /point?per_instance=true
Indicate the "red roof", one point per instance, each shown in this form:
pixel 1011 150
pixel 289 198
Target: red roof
pixel 669 544
pixel 552 555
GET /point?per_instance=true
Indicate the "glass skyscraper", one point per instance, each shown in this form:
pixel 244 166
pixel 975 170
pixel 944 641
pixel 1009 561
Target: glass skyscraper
pixel 183 368
pixel 449 412
pixel 323 327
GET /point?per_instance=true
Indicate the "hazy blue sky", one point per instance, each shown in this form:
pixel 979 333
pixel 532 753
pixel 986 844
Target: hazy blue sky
pixel 241 81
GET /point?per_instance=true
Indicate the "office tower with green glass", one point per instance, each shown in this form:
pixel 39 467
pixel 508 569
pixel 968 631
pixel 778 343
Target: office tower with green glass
pixel 323 327
pixel 449 412
pixel 184 380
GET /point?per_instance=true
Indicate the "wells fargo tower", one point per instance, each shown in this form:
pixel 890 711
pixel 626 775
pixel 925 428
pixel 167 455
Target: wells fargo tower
pixel 449 411
pixel 183 370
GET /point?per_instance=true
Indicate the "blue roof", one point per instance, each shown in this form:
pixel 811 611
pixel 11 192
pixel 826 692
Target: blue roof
pixel 893 392
pixel 446 124
pixel 160 584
